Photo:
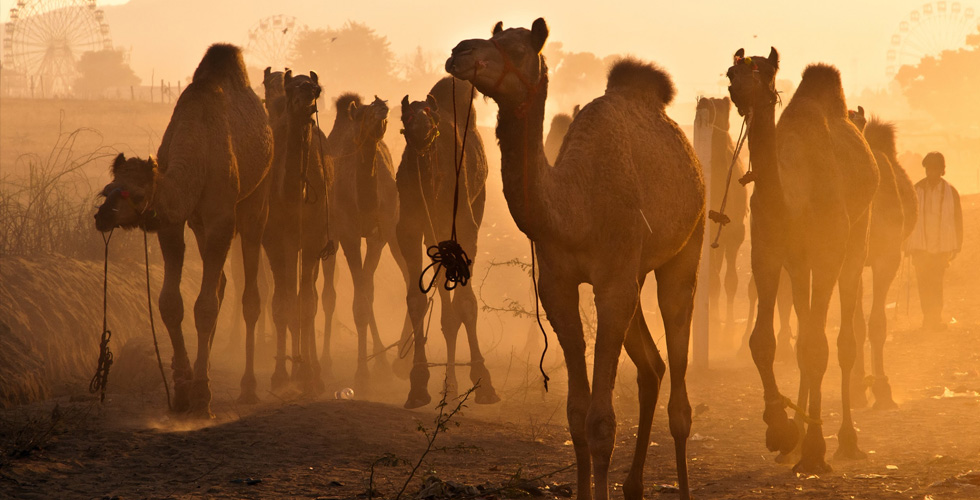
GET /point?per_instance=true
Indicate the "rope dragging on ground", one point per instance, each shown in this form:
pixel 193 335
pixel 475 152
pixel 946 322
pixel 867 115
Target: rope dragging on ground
pixel 101 377
pixel 153 330
pixel 449 254
pixel 720 217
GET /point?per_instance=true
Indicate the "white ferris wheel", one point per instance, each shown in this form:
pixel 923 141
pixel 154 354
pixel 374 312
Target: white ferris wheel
pixel 929 30
pixel 271 42
pixel 44 39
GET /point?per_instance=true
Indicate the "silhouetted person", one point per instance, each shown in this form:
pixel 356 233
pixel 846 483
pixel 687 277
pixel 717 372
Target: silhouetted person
pixel 937 238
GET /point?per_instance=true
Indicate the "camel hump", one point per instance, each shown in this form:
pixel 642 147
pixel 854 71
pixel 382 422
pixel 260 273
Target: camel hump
pixel 822 83
pixel 648 77
pixel 443 93
pixel 343 102
pixel 880 135
pixel 222 64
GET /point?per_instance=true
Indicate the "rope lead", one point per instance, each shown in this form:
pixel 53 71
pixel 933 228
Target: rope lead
pixel 101 378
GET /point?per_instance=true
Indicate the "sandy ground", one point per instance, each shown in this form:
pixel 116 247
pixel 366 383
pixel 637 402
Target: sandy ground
pixel 324 448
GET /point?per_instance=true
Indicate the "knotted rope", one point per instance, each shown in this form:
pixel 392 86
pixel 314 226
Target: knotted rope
pixel 101 377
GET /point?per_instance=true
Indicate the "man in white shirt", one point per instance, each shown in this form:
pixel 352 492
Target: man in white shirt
pixel 937 238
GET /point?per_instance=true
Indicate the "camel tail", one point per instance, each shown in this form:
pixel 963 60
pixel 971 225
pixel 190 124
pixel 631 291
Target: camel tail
pixel 222 64
pixel 633 73
pixel 880 135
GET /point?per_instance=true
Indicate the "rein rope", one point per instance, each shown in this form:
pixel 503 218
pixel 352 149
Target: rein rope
pixel 101 378
pixel 153 330
pixel 720 217
pixel 448 254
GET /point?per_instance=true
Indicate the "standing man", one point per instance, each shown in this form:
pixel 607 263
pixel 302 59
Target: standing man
pixel 937 238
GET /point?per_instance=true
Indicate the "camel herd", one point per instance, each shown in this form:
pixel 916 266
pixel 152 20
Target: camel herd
pixel 622 196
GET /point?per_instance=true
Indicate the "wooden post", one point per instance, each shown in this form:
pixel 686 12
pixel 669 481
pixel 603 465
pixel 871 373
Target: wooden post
pixel 702 146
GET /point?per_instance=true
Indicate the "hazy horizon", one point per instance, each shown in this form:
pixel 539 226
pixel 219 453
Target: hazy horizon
pixel 693 41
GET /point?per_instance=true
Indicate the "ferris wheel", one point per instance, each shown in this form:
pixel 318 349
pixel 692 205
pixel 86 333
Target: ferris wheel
pixel 929 30
pixel 45 38
pixel 271 40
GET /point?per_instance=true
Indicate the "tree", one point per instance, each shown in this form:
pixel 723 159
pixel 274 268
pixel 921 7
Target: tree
pixel 103 70
pixel 945 87
pixel 348 59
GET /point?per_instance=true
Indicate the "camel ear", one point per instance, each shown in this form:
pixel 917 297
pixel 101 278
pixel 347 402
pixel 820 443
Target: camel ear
pixel 861 110
pixel 431 101
pixel 773 57
pixel 406 106
pixel 118 163
pixel 287 77
pixel 740 53
pixel 351 109
pixel 268 71
pixel 151 162
pixel 497 28
pixel 575 110
pixel 539 33
pixel 316 79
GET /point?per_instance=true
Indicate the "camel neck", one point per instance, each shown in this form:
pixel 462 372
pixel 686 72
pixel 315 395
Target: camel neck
pixel 762 146
pixel 525 171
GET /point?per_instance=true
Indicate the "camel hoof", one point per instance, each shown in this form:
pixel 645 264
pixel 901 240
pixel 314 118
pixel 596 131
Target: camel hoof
pixel 417 400
pixel 781 434
pixel 486 396
pixel 280 379
pixel 882 392
pixel 632 491
pixel 812 465
pixel 786 458
pixel 182 399
pixel 848 448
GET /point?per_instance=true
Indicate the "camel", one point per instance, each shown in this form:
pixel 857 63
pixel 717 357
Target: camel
pixel 736 208
pixel 811 208
pixel 892 221
pixel 212 176
pixel 556 134
pixel 784 303
pixel 275 93
pixel 297 225
pixel 626 197
pixel 426 184
pixel 363 205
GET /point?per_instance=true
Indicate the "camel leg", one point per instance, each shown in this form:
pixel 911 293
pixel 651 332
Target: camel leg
pixel 781 434
pixel 234 268
pixel 214 245
pixel 650 369
pixel 784 302
pixel 743 349
pixel 795 282
pixel 812 353
pixel 283 304
pixel 464 302
pixel 560 299
pixel 617 299
pixel 409 235
pixel 450 323
pixel 171 306
pixel 849 284
pixel 362 314
pixel 858 389
pixel 884 272
pixel 329 302
pixel 731 287
pixel 676 284
pixel 309 268
pixel 402 365
pixel 251 304
pixel 372 257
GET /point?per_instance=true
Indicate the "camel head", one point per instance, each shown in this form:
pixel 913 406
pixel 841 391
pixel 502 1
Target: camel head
pixel 272 81
pixel 858 118
pixel 717 110
pixel 753 80
pixel 371 120
pixel 301 93
pixel 508 67
pixel 128 195
pixel 420 122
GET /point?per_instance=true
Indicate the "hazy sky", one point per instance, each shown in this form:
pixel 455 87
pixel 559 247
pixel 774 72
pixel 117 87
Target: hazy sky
pixel 693 40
